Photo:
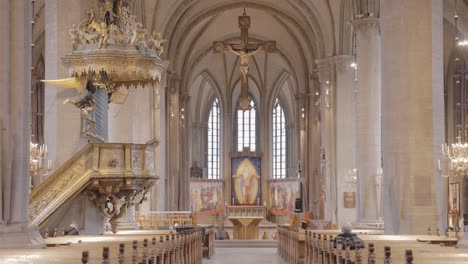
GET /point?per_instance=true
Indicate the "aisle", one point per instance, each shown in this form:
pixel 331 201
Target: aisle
pixel 245 256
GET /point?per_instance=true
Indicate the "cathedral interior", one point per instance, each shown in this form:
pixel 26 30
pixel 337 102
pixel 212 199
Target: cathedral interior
pixel 228 125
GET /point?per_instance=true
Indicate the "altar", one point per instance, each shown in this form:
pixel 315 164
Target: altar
pixel 245 220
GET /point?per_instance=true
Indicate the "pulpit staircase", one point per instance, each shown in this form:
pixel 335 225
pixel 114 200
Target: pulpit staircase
pixel 107 173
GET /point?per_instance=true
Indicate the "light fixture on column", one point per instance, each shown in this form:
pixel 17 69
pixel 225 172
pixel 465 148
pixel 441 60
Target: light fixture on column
pixel 379 185
pixel 379 178
pixel 327 94
pixel 38 164
pixel 352 176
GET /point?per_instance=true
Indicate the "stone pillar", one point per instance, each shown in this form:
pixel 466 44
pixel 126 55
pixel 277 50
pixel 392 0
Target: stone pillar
pixel 345 133
pixel 15 103
pixel 412 114
pixel 227 148
pixel 328 136
pixel 184 152
pixel 177 166
pixel 158 192
pixel 368 119
pixel 312 161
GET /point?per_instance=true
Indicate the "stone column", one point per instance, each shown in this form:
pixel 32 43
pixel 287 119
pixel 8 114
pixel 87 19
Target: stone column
pixel 184 152
pixel 15 101
pixel 328 138
pixel 311 166
pixel 368 119
pixel 412 114
pixel 158 192
pixel 345 133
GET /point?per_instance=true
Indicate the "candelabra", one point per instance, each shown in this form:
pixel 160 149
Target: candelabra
pixel 38 164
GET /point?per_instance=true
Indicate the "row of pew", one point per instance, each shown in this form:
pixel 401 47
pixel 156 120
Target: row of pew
pixel 297 245
pixel 181 248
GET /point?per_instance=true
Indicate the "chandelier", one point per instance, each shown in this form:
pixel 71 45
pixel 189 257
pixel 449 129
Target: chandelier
pixel 457 155
pixel 38 164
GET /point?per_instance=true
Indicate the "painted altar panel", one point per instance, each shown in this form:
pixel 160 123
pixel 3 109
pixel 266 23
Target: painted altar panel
pixel 246 181
pixel 207 197
pixel 283 194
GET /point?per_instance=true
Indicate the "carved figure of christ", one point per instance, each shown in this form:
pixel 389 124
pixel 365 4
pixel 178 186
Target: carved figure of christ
pixel 244 50
pixel 244 60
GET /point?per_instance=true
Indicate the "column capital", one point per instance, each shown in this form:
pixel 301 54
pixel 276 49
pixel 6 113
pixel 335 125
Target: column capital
pixel 343 62
pixel 366 24
pixel 338 62
pixel 325 66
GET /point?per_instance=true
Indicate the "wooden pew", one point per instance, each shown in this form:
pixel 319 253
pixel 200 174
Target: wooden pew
pixel 183 248
pixel 319 249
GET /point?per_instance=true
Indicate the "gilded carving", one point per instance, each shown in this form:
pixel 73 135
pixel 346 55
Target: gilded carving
pixel 83 171
pixel 111 51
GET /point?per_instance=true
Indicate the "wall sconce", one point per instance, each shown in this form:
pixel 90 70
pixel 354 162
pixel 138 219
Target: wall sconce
pixel 182 113
pixel 303 112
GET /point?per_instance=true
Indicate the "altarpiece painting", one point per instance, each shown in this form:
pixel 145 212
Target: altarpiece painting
pixel 246 180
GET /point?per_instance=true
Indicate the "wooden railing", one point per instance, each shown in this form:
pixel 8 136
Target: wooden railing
pixel 155 220
pixel 246 211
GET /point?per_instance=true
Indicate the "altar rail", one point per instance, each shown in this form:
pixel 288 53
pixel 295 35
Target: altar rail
pixel 155 220
pixel 246 211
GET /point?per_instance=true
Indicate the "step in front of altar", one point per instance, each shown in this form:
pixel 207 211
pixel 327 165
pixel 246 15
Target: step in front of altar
pixel 246 244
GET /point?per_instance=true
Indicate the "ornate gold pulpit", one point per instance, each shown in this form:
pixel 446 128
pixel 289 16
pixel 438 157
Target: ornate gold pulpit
pixel 245 220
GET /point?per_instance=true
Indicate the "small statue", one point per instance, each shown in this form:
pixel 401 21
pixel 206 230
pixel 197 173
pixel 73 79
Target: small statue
pixel 155 42
pixel 104 35
pixel 141 34
pixel 107 12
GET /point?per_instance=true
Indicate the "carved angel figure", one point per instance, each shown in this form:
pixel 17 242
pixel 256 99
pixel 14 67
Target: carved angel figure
pixel 155 41
pixel 85 104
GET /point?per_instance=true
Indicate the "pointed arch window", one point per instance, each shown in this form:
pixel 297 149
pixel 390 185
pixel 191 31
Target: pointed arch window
pixel 246 128
pixel 214 141
pixel 279 141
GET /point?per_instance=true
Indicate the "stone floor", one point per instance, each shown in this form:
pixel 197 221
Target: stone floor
pixel 244 256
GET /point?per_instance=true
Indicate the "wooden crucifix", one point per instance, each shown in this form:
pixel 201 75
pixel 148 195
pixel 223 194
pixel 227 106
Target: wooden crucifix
pixel 244 50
